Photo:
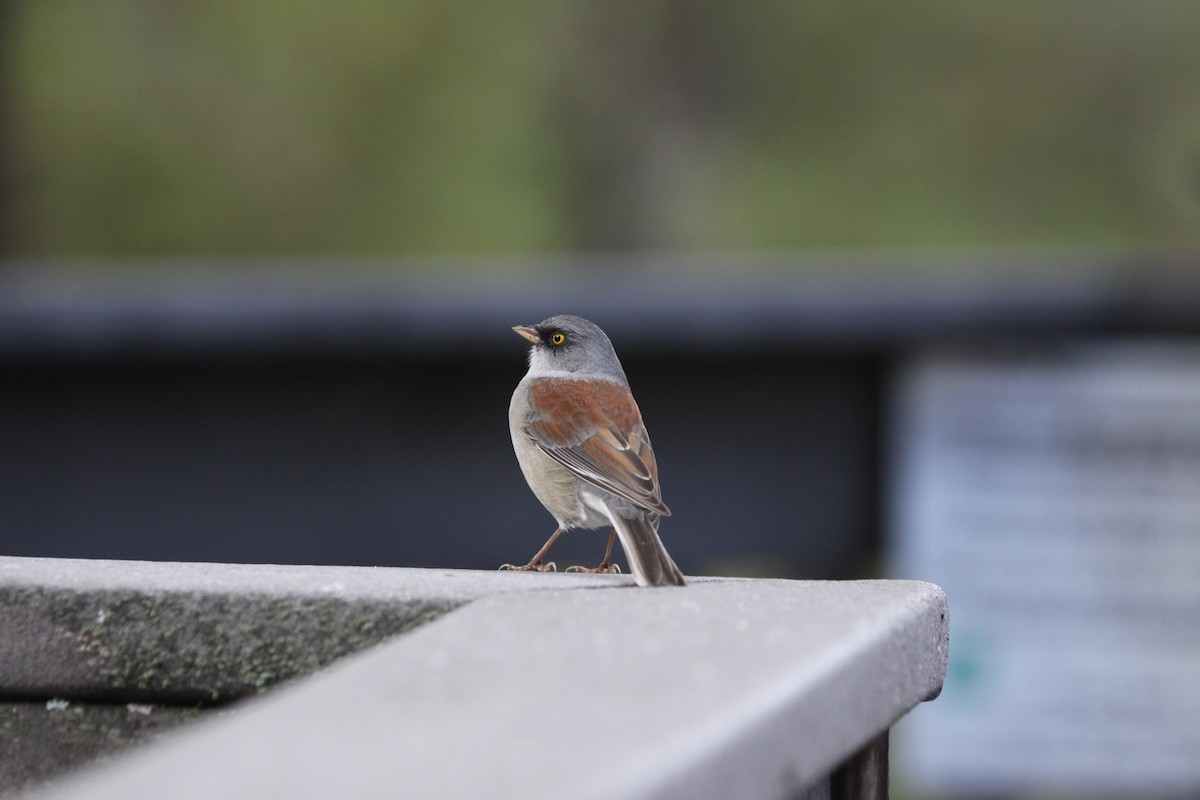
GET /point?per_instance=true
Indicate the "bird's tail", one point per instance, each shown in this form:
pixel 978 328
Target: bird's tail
pixel 649 561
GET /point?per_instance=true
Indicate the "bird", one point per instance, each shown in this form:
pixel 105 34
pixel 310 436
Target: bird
pixel 580 441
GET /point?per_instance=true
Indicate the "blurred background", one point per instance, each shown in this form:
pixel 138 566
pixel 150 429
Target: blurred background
pixel 906 290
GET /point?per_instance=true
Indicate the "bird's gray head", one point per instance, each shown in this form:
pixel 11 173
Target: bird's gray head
pixel 571 344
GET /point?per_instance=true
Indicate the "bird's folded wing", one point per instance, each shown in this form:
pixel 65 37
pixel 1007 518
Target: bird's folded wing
pixel 594 429
pixel 625 468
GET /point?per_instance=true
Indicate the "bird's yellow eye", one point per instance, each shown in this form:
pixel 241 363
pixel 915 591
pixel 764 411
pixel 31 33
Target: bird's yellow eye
pixel 558 338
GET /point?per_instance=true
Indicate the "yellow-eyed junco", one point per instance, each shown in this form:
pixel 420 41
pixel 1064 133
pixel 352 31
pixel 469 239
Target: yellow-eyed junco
pixel 580 441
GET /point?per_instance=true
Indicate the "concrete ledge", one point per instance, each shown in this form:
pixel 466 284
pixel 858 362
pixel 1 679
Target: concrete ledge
pixel 725 688
pixel 134 631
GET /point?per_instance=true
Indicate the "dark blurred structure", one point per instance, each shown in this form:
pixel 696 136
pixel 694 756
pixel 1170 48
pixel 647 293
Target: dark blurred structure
pixel 253 418
pixel 354 416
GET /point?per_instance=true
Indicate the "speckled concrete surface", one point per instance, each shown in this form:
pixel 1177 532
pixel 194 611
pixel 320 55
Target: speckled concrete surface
pixel 124 631
pixel 725 688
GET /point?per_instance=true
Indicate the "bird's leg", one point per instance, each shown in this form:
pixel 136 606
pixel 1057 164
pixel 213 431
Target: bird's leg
pixel 606 566
pixel 535 564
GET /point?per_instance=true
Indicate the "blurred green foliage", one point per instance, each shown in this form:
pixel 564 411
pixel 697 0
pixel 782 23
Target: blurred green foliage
pixel 380 128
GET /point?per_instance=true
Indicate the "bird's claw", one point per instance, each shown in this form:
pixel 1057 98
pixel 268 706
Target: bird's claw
pixel 603 569
pixel 532 566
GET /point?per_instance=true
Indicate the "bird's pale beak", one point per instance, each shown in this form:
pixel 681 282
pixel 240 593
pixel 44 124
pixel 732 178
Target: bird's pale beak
pixel 528 333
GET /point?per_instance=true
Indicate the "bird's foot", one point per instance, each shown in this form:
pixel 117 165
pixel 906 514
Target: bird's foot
pixel 604 569
pixel 532 566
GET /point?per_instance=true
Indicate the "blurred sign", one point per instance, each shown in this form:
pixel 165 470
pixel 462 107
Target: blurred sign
pixel 1055 496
